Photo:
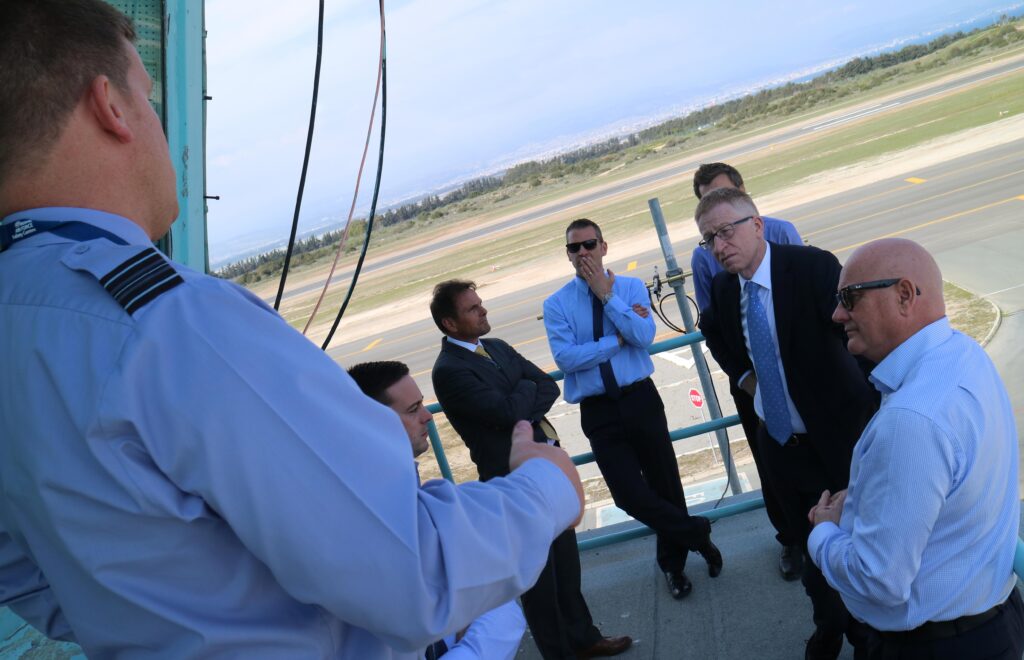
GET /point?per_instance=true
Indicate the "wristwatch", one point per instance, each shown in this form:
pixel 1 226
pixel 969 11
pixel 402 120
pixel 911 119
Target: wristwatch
pixel 606 297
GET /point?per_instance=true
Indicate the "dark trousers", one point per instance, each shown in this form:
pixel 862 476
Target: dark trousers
pixel 554 607
pixel 1001 638
pixel 631 444
pixel 772 504
pixel 801 474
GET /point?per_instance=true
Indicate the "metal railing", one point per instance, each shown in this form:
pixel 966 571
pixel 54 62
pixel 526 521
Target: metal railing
pixel 588 457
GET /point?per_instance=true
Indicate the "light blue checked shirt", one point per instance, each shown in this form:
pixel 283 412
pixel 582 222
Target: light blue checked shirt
pixel 197 479
pixel 569 321
pixel 929 527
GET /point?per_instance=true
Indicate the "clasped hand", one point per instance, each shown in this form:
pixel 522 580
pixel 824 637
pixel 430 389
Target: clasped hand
pixel 829 507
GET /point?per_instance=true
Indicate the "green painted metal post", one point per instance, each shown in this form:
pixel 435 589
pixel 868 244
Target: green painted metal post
pixel 675 280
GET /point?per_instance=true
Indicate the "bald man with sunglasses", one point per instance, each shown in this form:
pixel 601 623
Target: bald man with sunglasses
pixel 921 545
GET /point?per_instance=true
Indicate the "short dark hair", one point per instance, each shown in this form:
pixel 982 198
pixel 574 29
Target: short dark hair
pixel 51 51
pixel 374 378
pixel 719 196
pixel 707 172
pixel 583 223
pixel 442 305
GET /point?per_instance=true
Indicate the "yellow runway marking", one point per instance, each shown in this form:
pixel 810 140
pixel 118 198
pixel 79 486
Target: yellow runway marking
pixel 631 266
pixel 945 218
pixel 895 190
pixel 372 344
pixel 911 204
pixel 914 179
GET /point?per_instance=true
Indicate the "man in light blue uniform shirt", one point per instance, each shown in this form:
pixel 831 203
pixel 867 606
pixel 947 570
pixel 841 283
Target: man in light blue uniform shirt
pixel 921 544
pixel 708 177
pixel 599 328
pixel 183 474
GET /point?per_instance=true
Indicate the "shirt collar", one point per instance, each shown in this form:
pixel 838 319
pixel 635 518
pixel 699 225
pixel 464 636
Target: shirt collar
pixel 115 224
pixel 763 275
pixel 465 344
pixel 889 374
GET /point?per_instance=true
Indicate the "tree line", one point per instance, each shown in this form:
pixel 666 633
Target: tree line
pixel 781 100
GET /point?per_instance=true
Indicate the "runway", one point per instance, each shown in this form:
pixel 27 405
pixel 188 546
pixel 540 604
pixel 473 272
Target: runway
pixel 969 212
pixel 685 168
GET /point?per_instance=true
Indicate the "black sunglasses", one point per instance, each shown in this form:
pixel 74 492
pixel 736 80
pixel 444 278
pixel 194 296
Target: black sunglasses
pixel 590 244
pixel 848 295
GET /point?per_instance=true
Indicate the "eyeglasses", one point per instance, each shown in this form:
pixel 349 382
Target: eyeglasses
pixel 724 233
pixel 590 244
pixel 848 295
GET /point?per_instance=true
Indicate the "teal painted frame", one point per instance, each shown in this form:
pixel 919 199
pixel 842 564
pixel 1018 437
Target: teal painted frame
pixel 185 99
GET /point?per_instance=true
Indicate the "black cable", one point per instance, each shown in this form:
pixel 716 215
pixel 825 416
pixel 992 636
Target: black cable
pixel 376 186
pixel 664 318
pixel 305 158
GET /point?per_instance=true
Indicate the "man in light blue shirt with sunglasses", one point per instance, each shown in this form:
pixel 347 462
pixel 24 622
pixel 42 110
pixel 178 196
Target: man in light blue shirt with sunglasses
pixel 921 544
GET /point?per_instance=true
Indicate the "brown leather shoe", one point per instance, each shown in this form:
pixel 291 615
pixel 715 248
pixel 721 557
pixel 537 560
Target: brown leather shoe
pixel 606 646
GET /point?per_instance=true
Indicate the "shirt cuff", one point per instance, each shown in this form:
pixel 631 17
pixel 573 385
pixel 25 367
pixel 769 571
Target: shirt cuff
pixel 618 304
pixel 608 346
pixel 555 488
pixel 820 535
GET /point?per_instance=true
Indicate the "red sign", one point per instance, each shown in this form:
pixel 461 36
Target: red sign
pixel 696 399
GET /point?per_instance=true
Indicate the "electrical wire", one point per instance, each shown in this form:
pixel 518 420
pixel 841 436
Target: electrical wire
pixel 376 186
pixel 359 179
pixel 305 158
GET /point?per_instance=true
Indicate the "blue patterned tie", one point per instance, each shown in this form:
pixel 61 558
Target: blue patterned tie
pixel 773 396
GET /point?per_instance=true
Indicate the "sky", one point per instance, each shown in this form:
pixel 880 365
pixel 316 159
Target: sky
pixel 474 86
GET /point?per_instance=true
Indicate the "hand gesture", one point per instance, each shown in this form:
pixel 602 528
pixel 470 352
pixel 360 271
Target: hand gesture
pixel 595 278
pixel 524 448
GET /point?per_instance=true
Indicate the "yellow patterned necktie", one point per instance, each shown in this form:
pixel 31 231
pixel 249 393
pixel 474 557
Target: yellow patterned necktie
pixel 549 430
pixel 480 350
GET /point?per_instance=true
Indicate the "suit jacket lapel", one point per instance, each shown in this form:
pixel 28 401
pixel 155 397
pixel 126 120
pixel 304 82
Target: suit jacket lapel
pixel 733 322
pixel 487 369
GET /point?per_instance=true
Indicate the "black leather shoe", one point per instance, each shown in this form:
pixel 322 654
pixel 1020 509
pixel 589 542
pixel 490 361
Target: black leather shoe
pixel 820 647
pixel 712 555
pixel 678 584
pixel 605 647
pixel 791 563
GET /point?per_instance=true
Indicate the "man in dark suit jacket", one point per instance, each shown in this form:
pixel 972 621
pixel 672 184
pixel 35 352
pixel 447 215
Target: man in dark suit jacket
pixel 769 326
pixel 485 387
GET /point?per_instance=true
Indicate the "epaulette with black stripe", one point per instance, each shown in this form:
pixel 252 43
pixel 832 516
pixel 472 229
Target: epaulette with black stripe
pixel 138 281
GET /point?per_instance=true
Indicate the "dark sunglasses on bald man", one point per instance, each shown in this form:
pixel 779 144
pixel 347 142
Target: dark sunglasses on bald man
pixel 590 244
pixel 848 295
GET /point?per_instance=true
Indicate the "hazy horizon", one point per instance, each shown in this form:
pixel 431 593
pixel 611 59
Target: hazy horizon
pixel 459 109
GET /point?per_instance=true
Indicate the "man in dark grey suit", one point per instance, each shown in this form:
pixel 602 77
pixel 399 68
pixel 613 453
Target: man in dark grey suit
pixel 769 326
pixel 485 387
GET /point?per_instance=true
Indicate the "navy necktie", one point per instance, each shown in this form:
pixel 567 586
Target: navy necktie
pixel 611 386
pixel 436 650
pixel 769 381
